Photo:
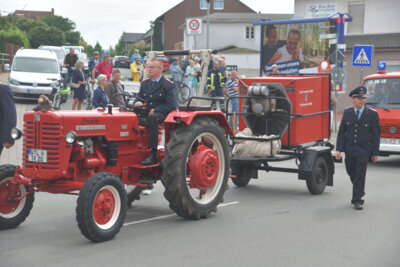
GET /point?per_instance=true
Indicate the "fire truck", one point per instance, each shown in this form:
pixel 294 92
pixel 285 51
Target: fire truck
pixel 384 97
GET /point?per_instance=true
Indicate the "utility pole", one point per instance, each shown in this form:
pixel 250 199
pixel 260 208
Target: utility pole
pixel 151 36
pixel 208 24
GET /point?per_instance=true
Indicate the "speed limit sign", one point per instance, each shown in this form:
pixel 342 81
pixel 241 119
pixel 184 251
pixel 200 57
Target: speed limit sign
pixel 194 26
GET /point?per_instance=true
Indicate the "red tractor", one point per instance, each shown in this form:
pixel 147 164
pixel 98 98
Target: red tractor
pixel 93 154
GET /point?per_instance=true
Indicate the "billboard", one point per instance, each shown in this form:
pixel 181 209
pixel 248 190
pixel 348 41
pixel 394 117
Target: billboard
pixel 295 47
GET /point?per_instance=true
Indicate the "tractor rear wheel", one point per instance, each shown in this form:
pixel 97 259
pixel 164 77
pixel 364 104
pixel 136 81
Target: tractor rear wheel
pixel 243 175
pixel 13 213
pixel 319 178
pixel 196 168
pixel 101 207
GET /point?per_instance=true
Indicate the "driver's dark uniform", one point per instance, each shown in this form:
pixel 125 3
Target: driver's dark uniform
pixel 161 97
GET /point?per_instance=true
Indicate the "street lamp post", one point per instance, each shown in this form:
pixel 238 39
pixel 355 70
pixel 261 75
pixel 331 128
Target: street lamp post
pixel 151 36
pixel 208 24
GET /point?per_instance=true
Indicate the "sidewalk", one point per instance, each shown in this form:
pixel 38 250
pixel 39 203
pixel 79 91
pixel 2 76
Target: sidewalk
pixel 4 77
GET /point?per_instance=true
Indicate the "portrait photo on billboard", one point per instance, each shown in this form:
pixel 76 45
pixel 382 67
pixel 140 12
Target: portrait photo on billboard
pixel 294 48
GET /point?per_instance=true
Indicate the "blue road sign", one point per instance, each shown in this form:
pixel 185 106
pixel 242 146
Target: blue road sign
pixel 362 55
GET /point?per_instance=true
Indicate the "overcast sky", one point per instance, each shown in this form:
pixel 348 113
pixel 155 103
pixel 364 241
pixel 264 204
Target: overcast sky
pixel 105 20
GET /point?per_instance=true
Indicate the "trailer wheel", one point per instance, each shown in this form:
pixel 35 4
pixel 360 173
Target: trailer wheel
pixel 196 168
pixel 133 193
pixel 243 176
pixel 13 213
pixel 101 207
pixel 319 178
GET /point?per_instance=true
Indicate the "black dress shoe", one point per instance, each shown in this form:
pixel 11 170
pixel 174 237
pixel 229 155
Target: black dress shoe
pixel 151 160
pixel 358 206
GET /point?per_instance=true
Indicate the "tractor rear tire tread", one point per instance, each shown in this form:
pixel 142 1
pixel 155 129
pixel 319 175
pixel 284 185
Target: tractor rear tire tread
pixel 173 177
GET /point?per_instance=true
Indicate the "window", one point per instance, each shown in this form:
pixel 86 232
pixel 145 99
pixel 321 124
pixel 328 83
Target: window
pixel 219 4
pixel 357 11
pixel 392 66
pixel 249 32
pixel 203 4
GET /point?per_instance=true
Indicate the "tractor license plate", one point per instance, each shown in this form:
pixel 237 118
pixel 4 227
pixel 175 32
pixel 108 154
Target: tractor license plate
pixel 37 155
pixel 387 141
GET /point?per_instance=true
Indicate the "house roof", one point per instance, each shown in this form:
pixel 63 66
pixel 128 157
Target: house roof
pixel 172 8
pixel 238 50
pixel 384 40
pixel 131 37
pixel 245 17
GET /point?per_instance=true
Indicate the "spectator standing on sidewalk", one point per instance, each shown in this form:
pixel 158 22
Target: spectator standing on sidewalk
pixel 8 117
pixel 104 67
pixel 94 61
pixel 358 138
pixel 191 80
pixel 216 83
pixel 197 68
pixel 78 78
pixel 176 70
pixel 233 90
pixel 136 54
pixel 137 69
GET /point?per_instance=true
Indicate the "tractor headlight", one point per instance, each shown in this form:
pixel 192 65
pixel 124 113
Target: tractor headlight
pixel 70 137
pixel 16 133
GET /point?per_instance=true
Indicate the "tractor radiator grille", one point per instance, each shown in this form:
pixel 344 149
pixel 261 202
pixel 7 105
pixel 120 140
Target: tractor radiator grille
pixel 46 136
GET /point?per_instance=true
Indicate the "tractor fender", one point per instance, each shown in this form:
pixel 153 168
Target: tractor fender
pixel 308 158
pixel 187 117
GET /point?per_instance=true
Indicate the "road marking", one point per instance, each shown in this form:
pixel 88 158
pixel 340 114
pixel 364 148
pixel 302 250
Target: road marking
pixel 171 215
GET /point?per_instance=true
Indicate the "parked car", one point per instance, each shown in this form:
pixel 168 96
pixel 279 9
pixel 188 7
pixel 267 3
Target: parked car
pixel 77 48
pixel 121 62
pixel 165 62
pixel 33 73
pixel 60 52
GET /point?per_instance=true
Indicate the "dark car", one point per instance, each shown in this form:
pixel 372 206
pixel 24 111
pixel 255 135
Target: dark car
pixel 122 62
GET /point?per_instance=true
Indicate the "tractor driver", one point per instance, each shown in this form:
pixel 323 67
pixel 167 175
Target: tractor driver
pixel 159 93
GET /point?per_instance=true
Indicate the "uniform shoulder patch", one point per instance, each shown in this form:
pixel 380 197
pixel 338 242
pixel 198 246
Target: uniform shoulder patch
pixel 168 80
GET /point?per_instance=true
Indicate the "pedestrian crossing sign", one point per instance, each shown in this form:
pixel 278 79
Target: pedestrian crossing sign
pixel 362 55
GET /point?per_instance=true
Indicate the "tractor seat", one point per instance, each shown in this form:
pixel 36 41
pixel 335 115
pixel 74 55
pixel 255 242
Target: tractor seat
pixel 194 108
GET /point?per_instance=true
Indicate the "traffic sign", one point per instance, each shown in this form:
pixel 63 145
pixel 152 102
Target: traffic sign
pixel 338 56
pixel 362 55
pixel 194 26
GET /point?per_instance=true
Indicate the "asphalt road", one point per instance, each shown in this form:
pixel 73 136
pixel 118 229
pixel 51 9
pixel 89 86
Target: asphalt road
pixel 272 222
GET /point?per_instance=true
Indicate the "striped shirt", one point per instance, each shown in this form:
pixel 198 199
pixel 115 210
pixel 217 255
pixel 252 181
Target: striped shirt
pixel 229 85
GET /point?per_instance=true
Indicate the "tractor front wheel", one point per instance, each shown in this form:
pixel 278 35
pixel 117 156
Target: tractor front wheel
pixel 101 207
pixel 13 212
pixel 196 168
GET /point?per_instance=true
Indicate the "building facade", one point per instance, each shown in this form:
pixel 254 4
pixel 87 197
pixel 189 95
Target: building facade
pixel 172 20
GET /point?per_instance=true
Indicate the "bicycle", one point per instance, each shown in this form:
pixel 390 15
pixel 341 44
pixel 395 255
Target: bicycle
pixel 59 94
pixel 183 91
pixel 89 95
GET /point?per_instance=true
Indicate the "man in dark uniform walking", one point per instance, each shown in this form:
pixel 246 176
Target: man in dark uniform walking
pixel 358 138
pixel 8 117
pixel 159 92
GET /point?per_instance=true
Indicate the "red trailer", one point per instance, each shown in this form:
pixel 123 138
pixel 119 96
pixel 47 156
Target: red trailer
pixel 295 110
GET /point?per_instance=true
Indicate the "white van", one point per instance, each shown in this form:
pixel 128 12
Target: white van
pixel 33 73
pixel 60 52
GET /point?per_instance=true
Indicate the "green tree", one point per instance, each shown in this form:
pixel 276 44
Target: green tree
pixel 73 38
pixel 46 36
pixel 15 37
pixel 64 24
pixel 89 50
pixel 120 48
pixel 98 47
